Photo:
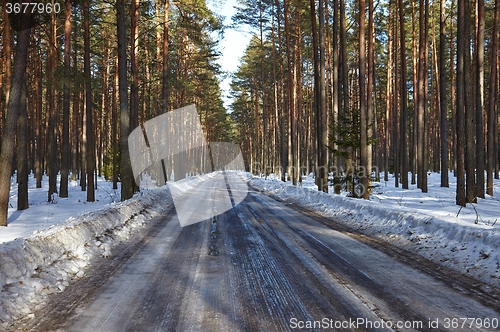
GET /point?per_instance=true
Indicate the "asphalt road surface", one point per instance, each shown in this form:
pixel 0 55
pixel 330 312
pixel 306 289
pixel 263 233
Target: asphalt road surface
pixel 266 266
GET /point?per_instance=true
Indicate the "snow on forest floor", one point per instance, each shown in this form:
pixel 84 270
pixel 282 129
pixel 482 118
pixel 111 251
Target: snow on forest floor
pixel 41 214
pixel 430 224
pixel 49 244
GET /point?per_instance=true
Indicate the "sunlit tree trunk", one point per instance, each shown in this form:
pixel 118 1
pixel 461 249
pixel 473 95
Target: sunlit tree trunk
pixel 134 65
pixel 480 99
pixel 470 116
pixel 114 129
pixel 40 146
pixel 22 153
pixel 65 152
pixel 421 102
pixel 460 104
pixel 164 90
pixel 442 98
pixel 363 113
pixel 281 88
pixel 394 105
pixel 76 121
pixel 290 91
pixel 275 116
pixel 317 101
pixel 453 138
pixel 492 102
pixel 335 74
pixel 7 51
pixel 127 178
pixel 296 86
pixel 322 114
pixel 404 104
pixel 13 110
pixel 344 60
pixel 88 107
pixel 371 82
pixel 388 91
pixel 343 54
pixel 414 148
pixel 52 115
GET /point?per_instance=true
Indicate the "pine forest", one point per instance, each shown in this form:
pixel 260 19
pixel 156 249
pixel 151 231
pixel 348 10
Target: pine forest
pixel 349 91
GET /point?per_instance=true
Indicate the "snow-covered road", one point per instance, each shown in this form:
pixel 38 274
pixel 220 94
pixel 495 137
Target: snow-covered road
pixel 266 266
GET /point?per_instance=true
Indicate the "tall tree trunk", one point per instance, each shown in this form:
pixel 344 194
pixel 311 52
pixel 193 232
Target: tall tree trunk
pixel 291 107
pixel 394 107
pixel 106 112
pixel 296 86
pixel 114 129
pixel 275 117
pixel 65 152
pixel 2 103
pixel 404 104
pixel 470 116
pixel 317 96
pixel 134 65
pixel 164 90
pixel 388 92
pixel 38 126
pixel 426 125
pixel 335 75
pixel 88 107
pixel 344 60
pixel 371 82
pixel 453 140
pixel 75 146
pixel 497 136
pixel 159 40
pixel 165 60
pixel 363 114
pixel 480 99
pixel 263 93
pixel 52 114
pixel 414 134
pixel 443 106
pixel 22 153
pixel 83 143
pixel 7 52
pixel 435 139
pixel 421 102
pixel 283 152
pixel 461 198
pixel 13 110
pixel 322 114
pixel 492 102
pixel 127 178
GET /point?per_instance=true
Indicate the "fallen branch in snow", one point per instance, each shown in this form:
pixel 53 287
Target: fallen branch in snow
pixel 478 216
pixel 112 196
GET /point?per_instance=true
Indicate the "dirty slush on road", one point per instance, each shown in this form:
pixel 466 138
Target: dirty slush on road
pixel 263 266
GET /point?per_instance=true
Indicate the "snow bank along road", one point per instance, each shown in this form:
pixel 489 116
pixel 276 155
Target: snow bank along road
pixel 266 266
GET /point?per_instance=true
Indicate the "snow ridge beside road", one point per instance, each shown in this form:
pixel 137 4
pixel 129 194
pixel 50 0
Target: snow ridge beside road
pixel 470 249
pixel 46 261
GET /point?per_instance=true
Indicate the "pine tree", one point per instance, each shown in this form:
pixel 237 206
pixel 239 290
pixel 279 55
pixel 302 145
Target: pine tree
pixel 13 109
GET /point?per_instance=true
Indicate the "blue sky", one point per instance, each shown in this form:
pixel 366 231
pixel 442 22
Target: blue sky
pixel 234 43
